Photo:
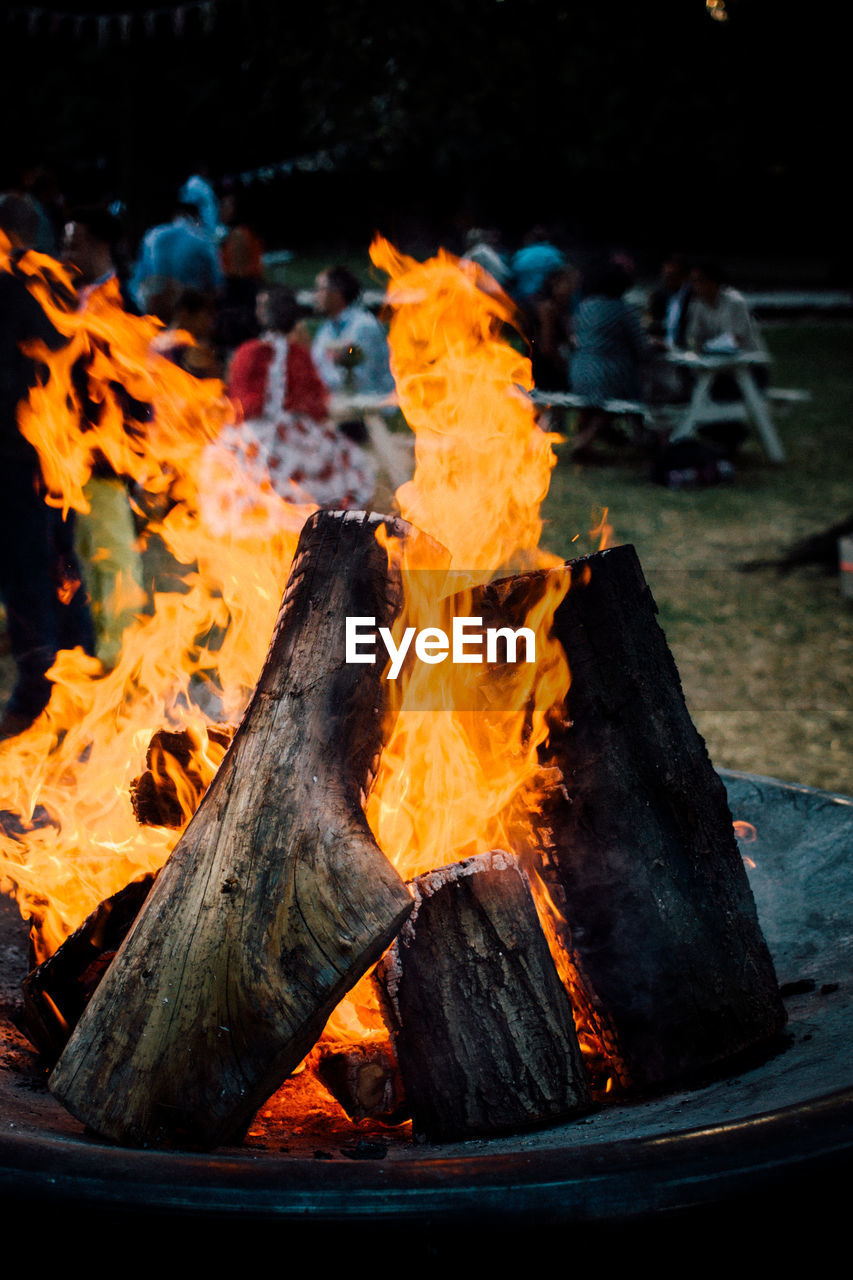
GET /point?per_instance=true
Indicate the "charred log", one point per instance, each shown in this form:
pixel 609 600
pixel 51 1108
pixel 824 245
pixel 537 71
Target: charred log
pixel 482 1025
pixel 276 899
pixel 57 991
pixel 639 850
pixel 365 1080
pixel 172 759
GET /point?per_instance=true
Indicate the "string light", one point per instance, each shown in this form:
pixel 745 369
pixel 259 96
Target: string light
pixel 716 9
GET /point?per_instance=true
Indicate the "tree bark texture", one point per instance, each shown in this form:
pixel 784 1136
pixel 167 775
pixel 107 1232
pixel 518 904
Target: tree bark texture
pixel 482 1025
pixel 276 899
pixel 638 846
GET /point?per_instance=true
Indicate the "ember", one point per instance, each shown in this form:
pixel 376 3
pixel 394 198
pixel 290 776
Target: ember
pixel 277 897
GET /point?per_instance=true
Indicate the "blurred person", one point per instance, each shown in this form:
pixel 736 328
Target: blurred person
pixel 670 302
pixel 89 242
pixel 719 313
pixel 40 579
pixel 174 256
pixel 668 314
pixel 482 245
pixel 284 429
pixel 721 323
pixel 350 348
pixel 195 315
pixel 105 539
pixel 532 263
pixel 610 350
pixel 551 328
pixel 40 185
pixel 241 255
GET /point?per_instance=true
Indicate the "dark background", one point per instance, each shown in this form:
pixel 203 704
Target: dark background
pixel 642 124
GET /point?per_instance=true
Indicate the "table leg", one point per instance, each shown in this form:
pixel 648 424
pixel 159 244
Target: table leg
pixel 699 401
pixel 757 406
pixel 394 452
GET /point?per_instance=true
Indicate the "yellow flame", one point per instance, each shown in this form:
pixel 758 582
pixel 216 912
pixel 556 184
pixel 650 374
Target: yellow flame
pixel 74 840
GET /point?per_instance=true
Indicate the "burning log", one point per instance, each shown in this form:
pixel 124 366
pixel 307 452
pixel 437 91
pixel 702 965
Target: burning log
pixel 172 773
pixel 275 900
pixel 365 1079
pixel 640 852
pixel 57 991
pixel 482 1025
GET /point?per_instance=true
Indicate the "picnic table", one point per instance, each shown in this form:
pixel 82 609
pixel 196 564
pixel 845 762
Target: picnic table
pixel 752 405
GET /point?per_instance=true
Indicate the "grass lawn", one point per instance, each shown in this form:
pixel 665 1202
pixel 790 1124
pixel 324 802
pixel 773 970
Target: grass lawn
pixel 765 660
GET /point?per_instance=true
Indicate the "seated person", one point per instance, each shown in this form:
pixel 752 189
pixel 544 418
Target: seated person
pixel 194 314
pixel 550 329
pixel 532 263
pixel 720 320
pixel 719 312
pixel 670 303
pixel 610 350
pixel 668 314
pixel 284 439
pixel 350 348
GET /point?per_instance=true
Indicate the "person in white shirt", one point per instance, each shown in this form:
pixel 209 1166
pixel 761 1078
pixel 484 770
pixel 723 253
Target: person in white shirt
pixel 719 312
pixel 350 348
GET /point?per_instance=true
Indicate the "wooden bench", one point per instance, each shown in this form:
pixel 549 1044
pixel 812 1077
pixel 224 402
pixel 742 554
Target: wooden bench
pixel 568 400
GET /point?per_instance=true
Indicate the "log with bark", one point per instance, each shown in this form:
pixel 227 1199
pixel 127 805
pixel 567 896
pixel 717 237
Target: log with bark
pixel 276 899
pixel 157 799
pixel 365 1080
pixel 482 1025
pixel 637 846
pixel 57 991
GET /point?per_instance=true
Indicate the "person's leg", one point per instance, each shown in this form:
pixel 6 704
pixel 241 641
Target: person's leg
pixel 28 590
pixel 590 422
pixel 111 564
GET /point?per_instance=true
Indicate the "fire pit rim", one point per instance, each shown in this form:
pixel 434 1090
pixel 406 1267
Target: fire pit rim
pixel 513 1179
pixel 614 1178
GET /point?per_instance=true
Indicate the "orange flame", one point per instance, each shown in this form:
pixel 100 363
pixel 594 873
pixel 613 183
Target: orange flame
pixel 74 840
pixel 457 776
pixel 603 531
pixel 460 772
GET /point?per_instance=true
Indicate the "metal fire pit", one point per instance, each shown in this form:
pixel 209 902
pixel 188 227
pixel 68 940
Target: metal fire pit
pixel 770 1129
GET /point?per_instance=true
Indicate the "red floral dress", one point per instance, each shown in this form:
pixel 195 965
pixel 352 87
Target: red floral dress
pixel 284 441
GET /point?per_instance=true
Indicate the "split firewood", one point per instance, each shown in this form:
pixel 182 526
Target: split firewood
pixel 169 790
pixel 57 991
pixel 638 847
pixel 482 1025
pixel 365 1080
pixel 276 899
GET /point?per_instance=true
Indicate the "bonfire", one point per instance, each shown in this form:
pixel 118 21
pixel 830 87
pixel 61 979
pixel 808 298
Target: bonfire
pixel 415 798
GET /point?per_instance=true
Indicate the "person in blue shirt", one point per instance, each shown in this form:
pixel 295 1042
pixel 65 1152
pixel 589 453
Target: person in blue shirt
pixel 175 256
pixel 533 262
pixel 350 348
